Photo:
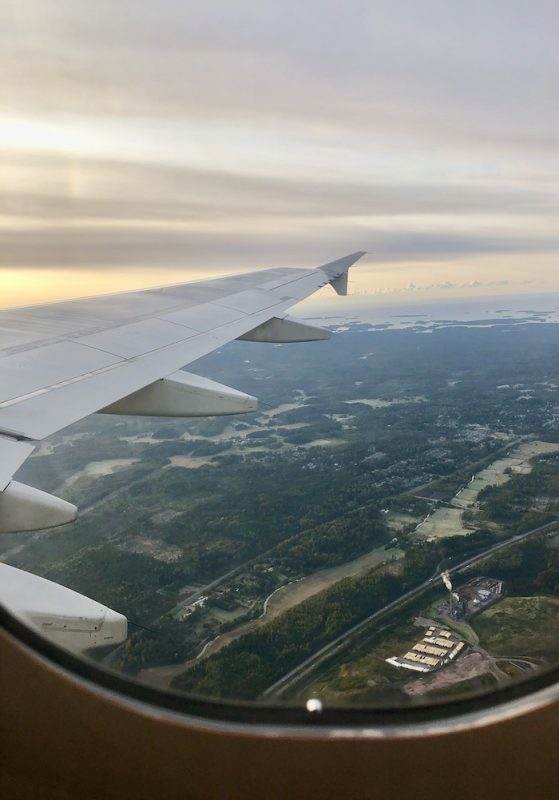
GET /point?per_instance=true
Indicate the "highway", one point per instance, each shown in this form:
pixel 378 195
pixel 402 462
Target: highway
pixel 342 641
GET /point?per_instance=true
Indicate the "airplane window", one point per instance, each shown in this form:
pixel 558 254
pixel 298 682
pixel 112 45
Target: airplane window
pixel 355 507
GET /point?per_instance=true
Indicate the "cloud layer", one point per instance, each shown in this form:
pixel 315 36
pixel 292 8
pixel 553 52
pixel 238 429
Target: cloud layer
pixel 230 135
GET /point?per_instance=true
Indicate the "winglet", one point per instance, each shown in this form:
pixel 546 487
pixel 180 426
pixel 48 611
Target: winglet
pixel 337 271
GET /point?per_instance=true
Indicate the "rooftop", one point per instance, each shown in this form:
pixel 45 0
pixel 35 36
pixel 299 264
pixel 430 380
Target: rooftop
pixel 435 650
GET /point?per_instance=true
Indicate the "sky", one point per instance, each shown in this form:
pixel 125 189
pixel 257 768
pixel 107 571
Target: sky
pixel 144 143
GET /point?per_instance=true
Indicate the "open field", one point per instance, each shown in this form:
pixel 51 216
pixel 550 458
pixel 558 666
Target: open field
pixel 190 462
pixel 443 522
pixel 446 521
pixel 519 462
pixel 98 469
pixel 376 402
pixel 521 626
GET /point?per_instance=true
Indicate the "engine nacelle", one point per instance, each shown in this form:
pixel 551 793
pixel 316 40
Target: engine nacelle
pixel 70 619
pixel 24 508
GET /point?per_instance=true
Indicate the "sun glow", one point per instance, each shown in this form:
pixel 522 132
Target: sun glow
pixel 32 286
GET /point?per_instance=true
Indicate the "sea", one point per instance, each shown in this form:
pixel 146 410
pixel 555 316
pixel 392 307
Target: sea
pixel 433 313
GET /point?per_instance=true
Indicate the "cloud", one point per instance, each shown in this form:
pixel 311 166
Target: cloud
pixel 54 186
pixel 432 71
pixel 412 287
pixel 188 247
pixel 232 134
pixel 75 211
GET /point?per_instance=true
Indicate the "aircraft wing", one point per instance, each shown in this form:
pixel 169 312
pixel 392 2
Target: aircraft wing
pixel 121 353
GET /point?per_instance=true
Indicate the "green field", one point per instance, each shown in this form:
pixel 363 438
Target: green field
pixel 521 626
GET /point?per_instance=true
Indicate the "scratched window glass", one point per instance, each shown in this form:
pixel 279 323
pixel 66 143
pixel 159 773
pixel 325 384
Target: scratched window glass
pixel 279 374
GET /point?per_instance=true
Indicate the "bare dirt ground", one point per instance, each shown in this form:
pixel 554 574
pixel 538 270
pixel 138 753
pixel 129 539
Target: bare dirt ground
pixel 98 469
pixel 189 462
pixel 470 666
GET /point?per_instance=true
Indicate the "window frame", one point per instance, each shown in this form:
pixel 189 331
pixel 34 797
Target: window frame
pixel 518 697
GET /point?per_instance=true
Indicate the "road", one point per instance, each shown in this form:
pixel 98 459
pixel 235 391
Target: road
pixel 345 639
pixel 213 584
pixel 231 573
pixel 221 579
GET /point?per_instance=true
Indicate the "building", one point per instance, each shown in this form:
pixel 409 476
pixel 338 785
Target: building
pixel 188 610
pixel 438 648
pixel 472 597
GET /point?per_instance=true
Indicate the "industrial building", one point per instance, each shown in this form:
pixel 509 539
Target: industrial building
pixel 188 610
pixel 435 650
pixel 472 597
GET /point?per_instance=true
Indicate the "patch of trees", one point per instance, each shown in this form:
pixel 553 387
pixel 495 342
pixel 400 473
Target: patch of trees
pixel 249 665
pixel 246 667
pixel 333 542
pixel 529 568
pixel 525 501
